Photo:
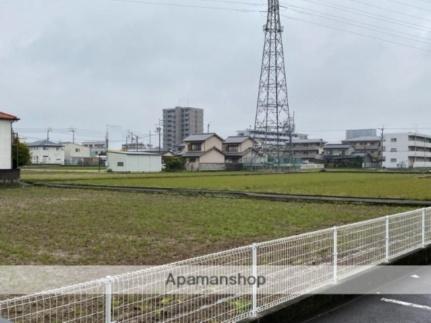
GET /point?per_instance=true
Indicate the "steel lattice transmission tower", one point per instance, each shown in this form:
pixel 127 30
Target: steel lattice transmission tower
pixel 273 119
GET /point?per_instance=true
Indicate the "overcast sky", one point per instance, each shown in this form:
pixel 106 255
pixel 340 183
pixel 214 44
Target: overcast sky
pixel 89 64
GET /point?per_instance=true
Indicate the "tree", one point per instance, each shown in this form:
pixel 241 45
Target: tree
pixel 20 154
pixel 173 164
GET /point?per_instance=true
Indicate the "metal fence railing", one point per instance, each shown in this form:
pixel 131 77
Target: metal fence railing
pixel 133 297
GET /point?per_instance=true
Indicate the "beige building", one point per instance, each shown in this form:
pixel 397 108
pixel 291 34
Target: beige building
pixel 179 123
pixel 204 152
pixel 75 154
pixel 239 150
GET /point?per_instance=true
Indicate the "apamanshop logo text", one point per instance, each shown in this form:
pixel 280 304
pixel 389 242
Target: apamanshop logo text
pixel 222 280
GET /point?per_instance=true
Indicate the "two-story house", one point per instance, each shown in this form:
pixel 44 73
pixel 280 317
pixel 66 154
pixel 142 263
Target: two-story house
pixel 204 152
pixel 46 152
pixel 239 150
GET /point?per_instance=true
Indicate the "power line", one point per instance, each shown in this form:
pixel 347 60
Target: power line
pixel 372 27
pixel 357 33
pixel 171 4
pixel 411 6
pixel 403 13
pixel 369 15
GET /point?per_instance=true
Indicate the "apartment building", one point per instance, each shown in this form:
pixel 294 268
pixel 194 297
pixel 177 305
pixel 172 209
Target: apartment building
pixel 180 123
pixel 407 150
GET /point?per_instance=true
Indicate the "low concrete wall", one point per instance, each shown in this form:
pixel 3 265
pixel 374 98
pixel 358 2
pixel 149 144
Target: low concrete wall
pixel 9 176
pixel 211 167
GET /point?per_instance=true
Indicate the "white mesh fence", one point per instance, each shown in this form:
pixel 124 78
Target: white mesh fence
pixel 296 265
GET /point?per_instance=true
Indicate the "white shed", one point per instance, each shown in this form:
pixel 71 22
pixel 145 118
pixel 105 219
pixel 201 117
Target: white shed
pixel 121 161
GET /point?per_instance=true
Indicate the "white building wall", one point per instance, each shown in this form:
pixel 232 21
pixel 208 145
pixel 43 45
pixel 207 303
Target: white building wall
pixel 47 155
pixel 74 152
pixel 122 162
pixel 397 153
pixel 5 144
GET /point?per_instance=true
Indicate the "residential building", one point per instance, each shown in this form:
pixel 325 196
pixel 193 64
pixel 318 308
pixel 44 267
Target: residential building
pixel 97 147
pixel 360 133
pixel 179 123
pixel 46 152
pixel 239 150
pixel 308 150
pixel 204 152
pixel 134 147
pixel 337 150
pixel 283 139
pixel 407 150
pixel 75 154
pixel 370 148
pixel 7 173
pixel 134 162
pixel 342 156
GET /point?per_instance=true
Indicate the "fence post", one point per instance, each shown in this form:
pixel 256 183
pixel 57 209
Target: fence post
pixel 254 274
pixel 108 299
pixel 423 227
pixel 387 256
pixel 335 255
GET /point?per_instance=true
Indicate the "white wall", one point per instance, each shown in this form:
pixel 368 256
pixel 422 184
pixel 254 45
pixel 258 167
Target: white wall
pixel 134 162
pixel 5 144
pixel 75 152
pixel 396 153
pixel 49 155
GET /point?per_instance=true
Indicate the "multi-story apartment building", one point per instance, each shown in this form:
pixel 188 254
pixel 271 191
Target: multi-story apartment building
pixel 407 150
pixel 271 137
pixel 179 123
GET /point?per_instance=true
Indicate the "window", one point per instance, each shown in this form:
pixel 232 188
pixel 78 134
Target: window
pixel 394 150
pixel 120 164
pixel 393 160
pixel 393 139
pixel 77 150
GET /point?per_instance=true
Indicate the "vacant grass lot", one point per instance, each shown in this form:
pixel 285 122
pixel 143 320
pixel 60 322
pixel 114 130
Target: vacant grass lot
pixel 414 186
pixel 56 226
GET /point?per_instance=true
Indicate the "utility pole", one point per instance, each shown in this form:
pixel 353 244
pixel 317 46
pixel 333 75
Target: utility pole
pixel 273 116
pixel 208 127
pixel 48 131
pixel 159 132
pixel 73 131
pixel 381 150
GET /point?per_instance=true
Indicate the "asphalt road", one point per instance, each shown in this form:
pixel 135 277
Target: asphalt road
pixel 379 308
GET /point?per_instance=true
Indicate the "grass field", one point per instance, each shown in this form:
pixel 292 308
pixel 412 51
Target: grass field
pixel 56 226
pixel 414 186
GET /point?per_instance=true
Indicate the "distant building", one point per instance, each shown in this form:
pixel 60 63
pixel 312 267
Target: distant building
pixel 96 147
pixel 360 133
pixel 75 154
pixel 46 152
pixel 370 148
pixel 337 150
pixel 308 150
pixel 7 174
pixel 179 123
pixel 139 162
pixel 134 147
pixel 271 137
pixel 240 150
pixel 407 150
pixel 204 152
